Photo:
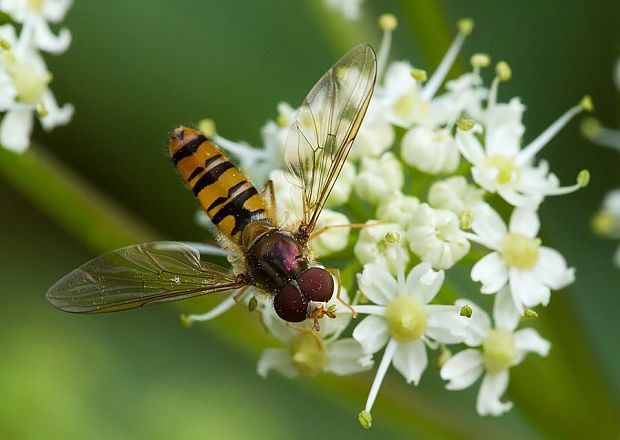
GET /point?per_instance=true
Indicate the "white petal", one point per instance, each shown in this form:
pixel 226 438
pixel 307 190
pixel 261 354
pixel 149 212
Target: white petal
pixel 47 41
pixel 528 340
pixel 410 360
pixel 15 130
pixel 551 269
pixel 478 325
pixel 527 289
pixel 372 333
pixel 276 359
pixel 55 10
pixel 469 147
pixel 505 313
pixel 346 356
pixel 445 324
pixel 55 115
pixel 491 271
pixel 424 283
pixel 462 369
pixel 377 284
pixel 492 388
pixel 489 226
pixel 524 221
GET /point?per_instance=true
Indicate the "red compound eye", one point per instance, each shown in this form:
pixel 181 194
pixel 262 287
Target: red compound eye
pixel 316 284
pixel 290 304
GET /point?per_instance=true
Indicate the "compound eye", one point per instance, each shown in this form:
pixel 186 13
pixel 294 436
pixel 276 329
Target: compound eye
pixel 316 284
pixel 290 304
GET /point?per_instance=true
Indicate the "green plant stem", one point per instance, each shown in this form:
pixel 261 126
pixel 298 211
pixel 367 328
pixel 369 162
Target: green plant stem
pixel 67 199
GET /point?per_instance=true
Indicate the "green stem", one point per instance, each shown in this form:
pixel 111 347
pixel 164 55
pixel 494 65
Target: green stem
pixel 83 212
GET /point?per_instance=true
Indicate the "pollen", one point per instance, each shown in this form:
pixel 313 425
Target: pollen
pixel 520 251
pixel 507 169
pixel 586 103
pixel 307 354
pixel 503 71
pixel 480 60
pixel 603 223
pixel 405 318
pixel 499 350
pixel 207 127
pixel 419 75
pixel 465 25
pixel 465 124
pixel 388 22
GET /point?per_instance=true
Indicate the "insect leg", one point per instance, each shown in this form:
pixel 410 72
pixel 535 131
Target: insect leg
pixel 349 225
pixel 336 272
pixel 270 195
pixel 216 311
pixel 307 331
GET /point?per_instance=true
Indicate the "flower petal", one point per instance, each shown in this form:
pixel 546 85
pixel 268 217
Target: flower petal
pixel 492 388
pixel 505 313
pixel 527 290
pixel 347 356
pixel 15 129
pixel 276 359
pixel 445 324
pixel 491 271
pixel 410 360
pixel 424 283
pixel 462 369
pixel 551 269
pixel 489 226
pixel 372 333
pixel 377 284
pixel 529 340
pixel 524 221
pixel 478 325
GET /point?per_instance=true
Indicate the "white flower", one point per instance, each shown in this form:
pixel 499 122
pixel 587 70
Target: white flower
pixel 403 320
pixel 373 247
pixel 334 239
pixel 500 165
pixel 35 14
pixel 341 191
pixel 24 81
pixel 431 151
pixel 350 9
pixel 397 208
pixel 308 352
pixel 518 259
pixel 502 348
pixel 379 177
pixel 454 194
pixel 405 101
pixel 288 199
pixel 435 236
pixel 375 136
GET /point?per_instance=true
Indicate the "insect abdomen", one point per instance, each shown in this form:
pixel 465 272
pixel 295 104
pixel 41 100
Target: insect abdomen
pixel 222 189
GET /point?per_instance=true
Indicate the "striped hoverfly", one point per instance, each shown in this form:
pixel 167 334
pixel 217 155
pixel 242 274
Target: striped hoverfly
pixel 275 260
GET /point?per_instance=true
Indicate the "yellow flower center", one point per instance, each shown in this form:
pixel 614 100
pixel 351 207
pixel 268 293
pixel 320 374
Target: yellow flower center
pixel 520 251
pixel 36 5
pixel 307 354
pixel 30 84
pixel 404 105
pixel 405 318
pixel 498 350
pixel 507 170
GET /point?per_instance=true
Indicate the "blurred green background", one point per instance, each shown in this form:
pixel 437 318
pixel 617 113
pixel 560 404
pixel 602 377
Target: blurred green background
pixel 136 70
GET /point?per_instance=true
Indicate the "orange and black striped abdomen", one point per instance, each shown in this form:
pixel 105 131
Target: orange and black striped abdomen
pixel 222 189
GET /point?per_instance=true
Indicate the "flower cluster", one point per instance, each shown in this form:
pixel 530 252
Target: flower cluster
pixel 606 222
pixel 436 178
pixel 24 77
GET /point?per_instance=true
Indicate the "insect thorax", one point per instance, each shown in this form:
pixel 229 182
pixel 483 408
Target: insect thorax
pixel 274 256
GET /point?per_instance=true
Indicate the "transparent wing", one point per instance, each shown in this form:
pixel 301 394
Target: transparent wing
pixel 137 275
pixel 325 127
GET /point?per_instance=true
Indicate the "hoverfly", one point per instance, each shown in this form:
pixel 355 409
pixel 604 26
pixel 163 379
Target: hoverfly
pixel 272 259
